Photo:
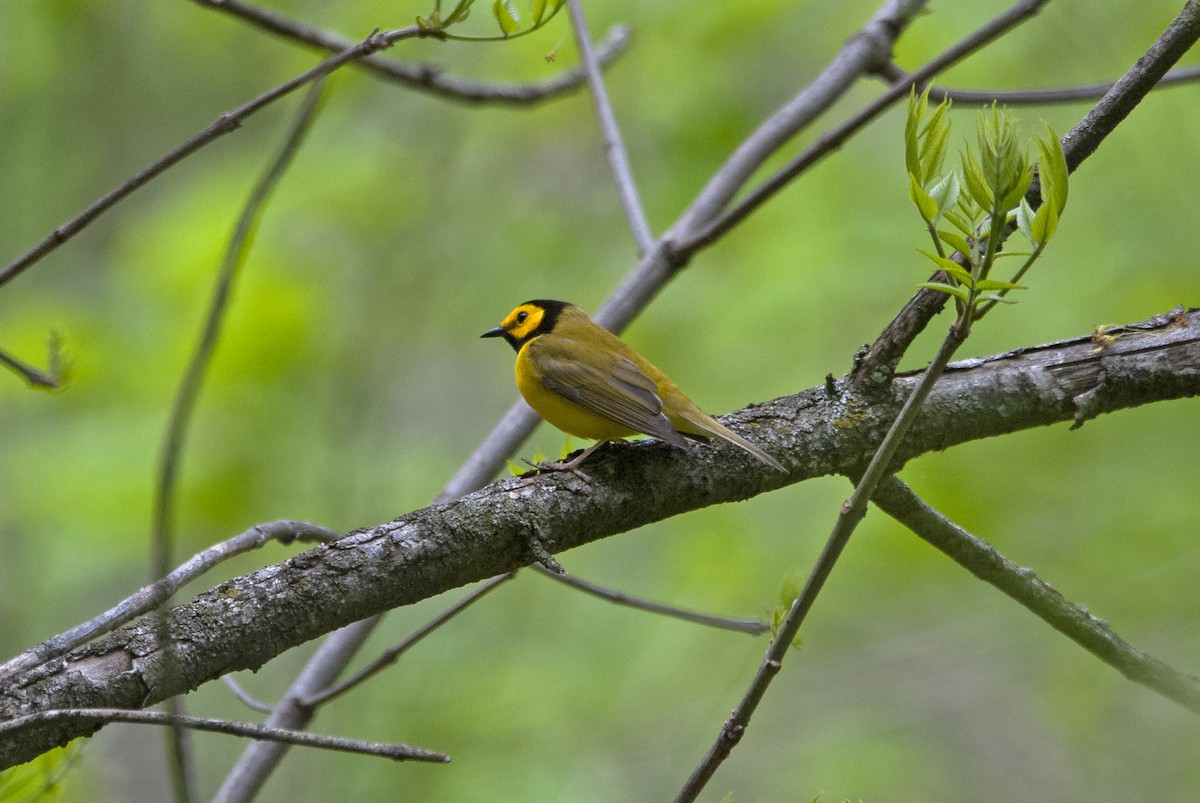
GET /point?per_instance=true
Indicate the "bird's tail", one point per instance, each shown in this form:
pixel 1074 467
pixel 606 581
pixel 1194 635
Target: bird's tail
pixel 707 425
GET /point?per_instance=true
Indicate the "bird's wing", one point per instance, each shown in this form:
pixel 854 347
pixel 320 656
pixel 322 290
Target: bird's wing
pixel 606 384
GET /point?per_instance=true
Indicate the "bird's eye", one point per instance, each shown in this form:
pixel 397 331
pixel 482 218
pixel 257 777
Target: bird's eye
pixel 521 316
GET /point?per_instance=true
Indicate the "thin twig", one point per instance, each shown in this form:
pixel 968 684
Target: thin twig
pixel 1133 86
pixel 751 626
pixel 162 536
pixel 258 760
pixel 1032 97
pixel 150 597
pixel 423 76
pixel 865 52
pixel 243 695
pixel 614 144
pixel 1074 621
pixel 852 513
pixel 834 138
pixel 193 377
pixel 224 124
pixel 50 379
pixel 389 657
pixel 398 752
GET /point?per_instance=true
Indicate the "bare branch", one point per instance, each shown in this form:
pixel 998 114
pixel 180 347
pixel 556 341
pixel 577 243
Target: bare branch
pixel 852 512
pixel 244 696
pixel 50 379
pixel 423 76
pixel 1074 621
pixel 614 144
pixel 389 657
pixel 226 123
pixel 833 139
pixel 864 53
pixel 1033 97
pixel 91 717
pixel 751 626
pixel 162 536
pixel 193 375
pixel 155 594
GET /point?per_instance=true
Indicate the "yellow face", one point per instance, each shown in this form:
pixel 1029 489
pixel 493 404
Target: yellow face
pixel 523 321
pixel 527 321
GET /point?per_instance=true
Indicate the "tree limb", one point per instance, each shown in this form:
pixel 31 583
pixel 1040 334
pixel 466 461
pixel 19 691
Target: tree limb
pixel 247 621
pixel 1073 621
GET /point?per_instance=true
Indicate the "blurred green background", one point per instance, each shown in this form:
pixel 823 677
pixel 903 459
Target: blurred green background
pixel 350 383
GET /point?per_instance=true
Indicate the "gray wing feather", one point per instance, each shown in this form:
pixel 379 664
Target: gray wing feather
pixel 624 394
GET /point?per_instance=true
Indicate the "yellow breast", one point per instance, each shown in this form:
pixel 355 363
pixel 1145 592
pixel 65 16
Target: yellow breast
pixel 560 411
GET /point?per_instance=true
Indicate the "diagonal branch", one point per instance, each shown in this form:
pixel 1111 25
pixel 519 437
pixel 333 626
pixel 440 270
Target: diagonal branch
pixel 226 123
pixel 833 139
pixel 614 144
pixel 1074 621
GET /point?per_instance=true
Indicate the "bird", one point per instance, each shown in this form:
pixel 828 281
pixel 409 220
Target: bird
pixel 588 382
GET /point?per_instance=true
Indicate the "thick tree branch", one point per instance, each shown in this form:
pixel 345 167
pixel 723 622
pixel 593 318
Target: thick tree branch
pixel 150 597
pixel 247 621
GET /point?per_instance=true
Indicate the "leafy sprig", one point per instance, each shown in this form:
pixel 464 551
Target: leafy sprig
pixel 979 200
pixel 505 12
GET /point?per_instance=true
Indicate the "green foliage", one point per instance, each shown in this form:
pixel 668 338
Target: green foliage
pixel 504 11
pixel 980 200
pixel 787 595
pixel 40 780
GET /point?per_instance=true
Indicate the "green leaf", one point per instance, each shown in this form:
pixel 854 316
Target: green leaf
pixel 948 289
pixel 994 297
pixel 912 124
pixel 977 184
pixel 947 191
pixel 1044 224
pixel 951 267
pixel 1052 170
pixel 535 13
pixel 1025 220
pixel 925 205
pixel 1017 191
pixel 951 239
pixel 462 10
pixel 935 139
pixel 506 18
pixel 960 223
pixel 984 285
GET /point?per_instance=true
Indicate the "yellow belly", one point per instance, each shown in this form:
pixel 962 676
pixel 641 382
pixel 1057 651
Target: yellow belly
pixel 561 411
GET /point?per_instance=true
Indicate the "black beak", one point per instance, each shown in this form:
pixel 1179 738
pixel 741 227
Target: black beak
pixel 497 332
